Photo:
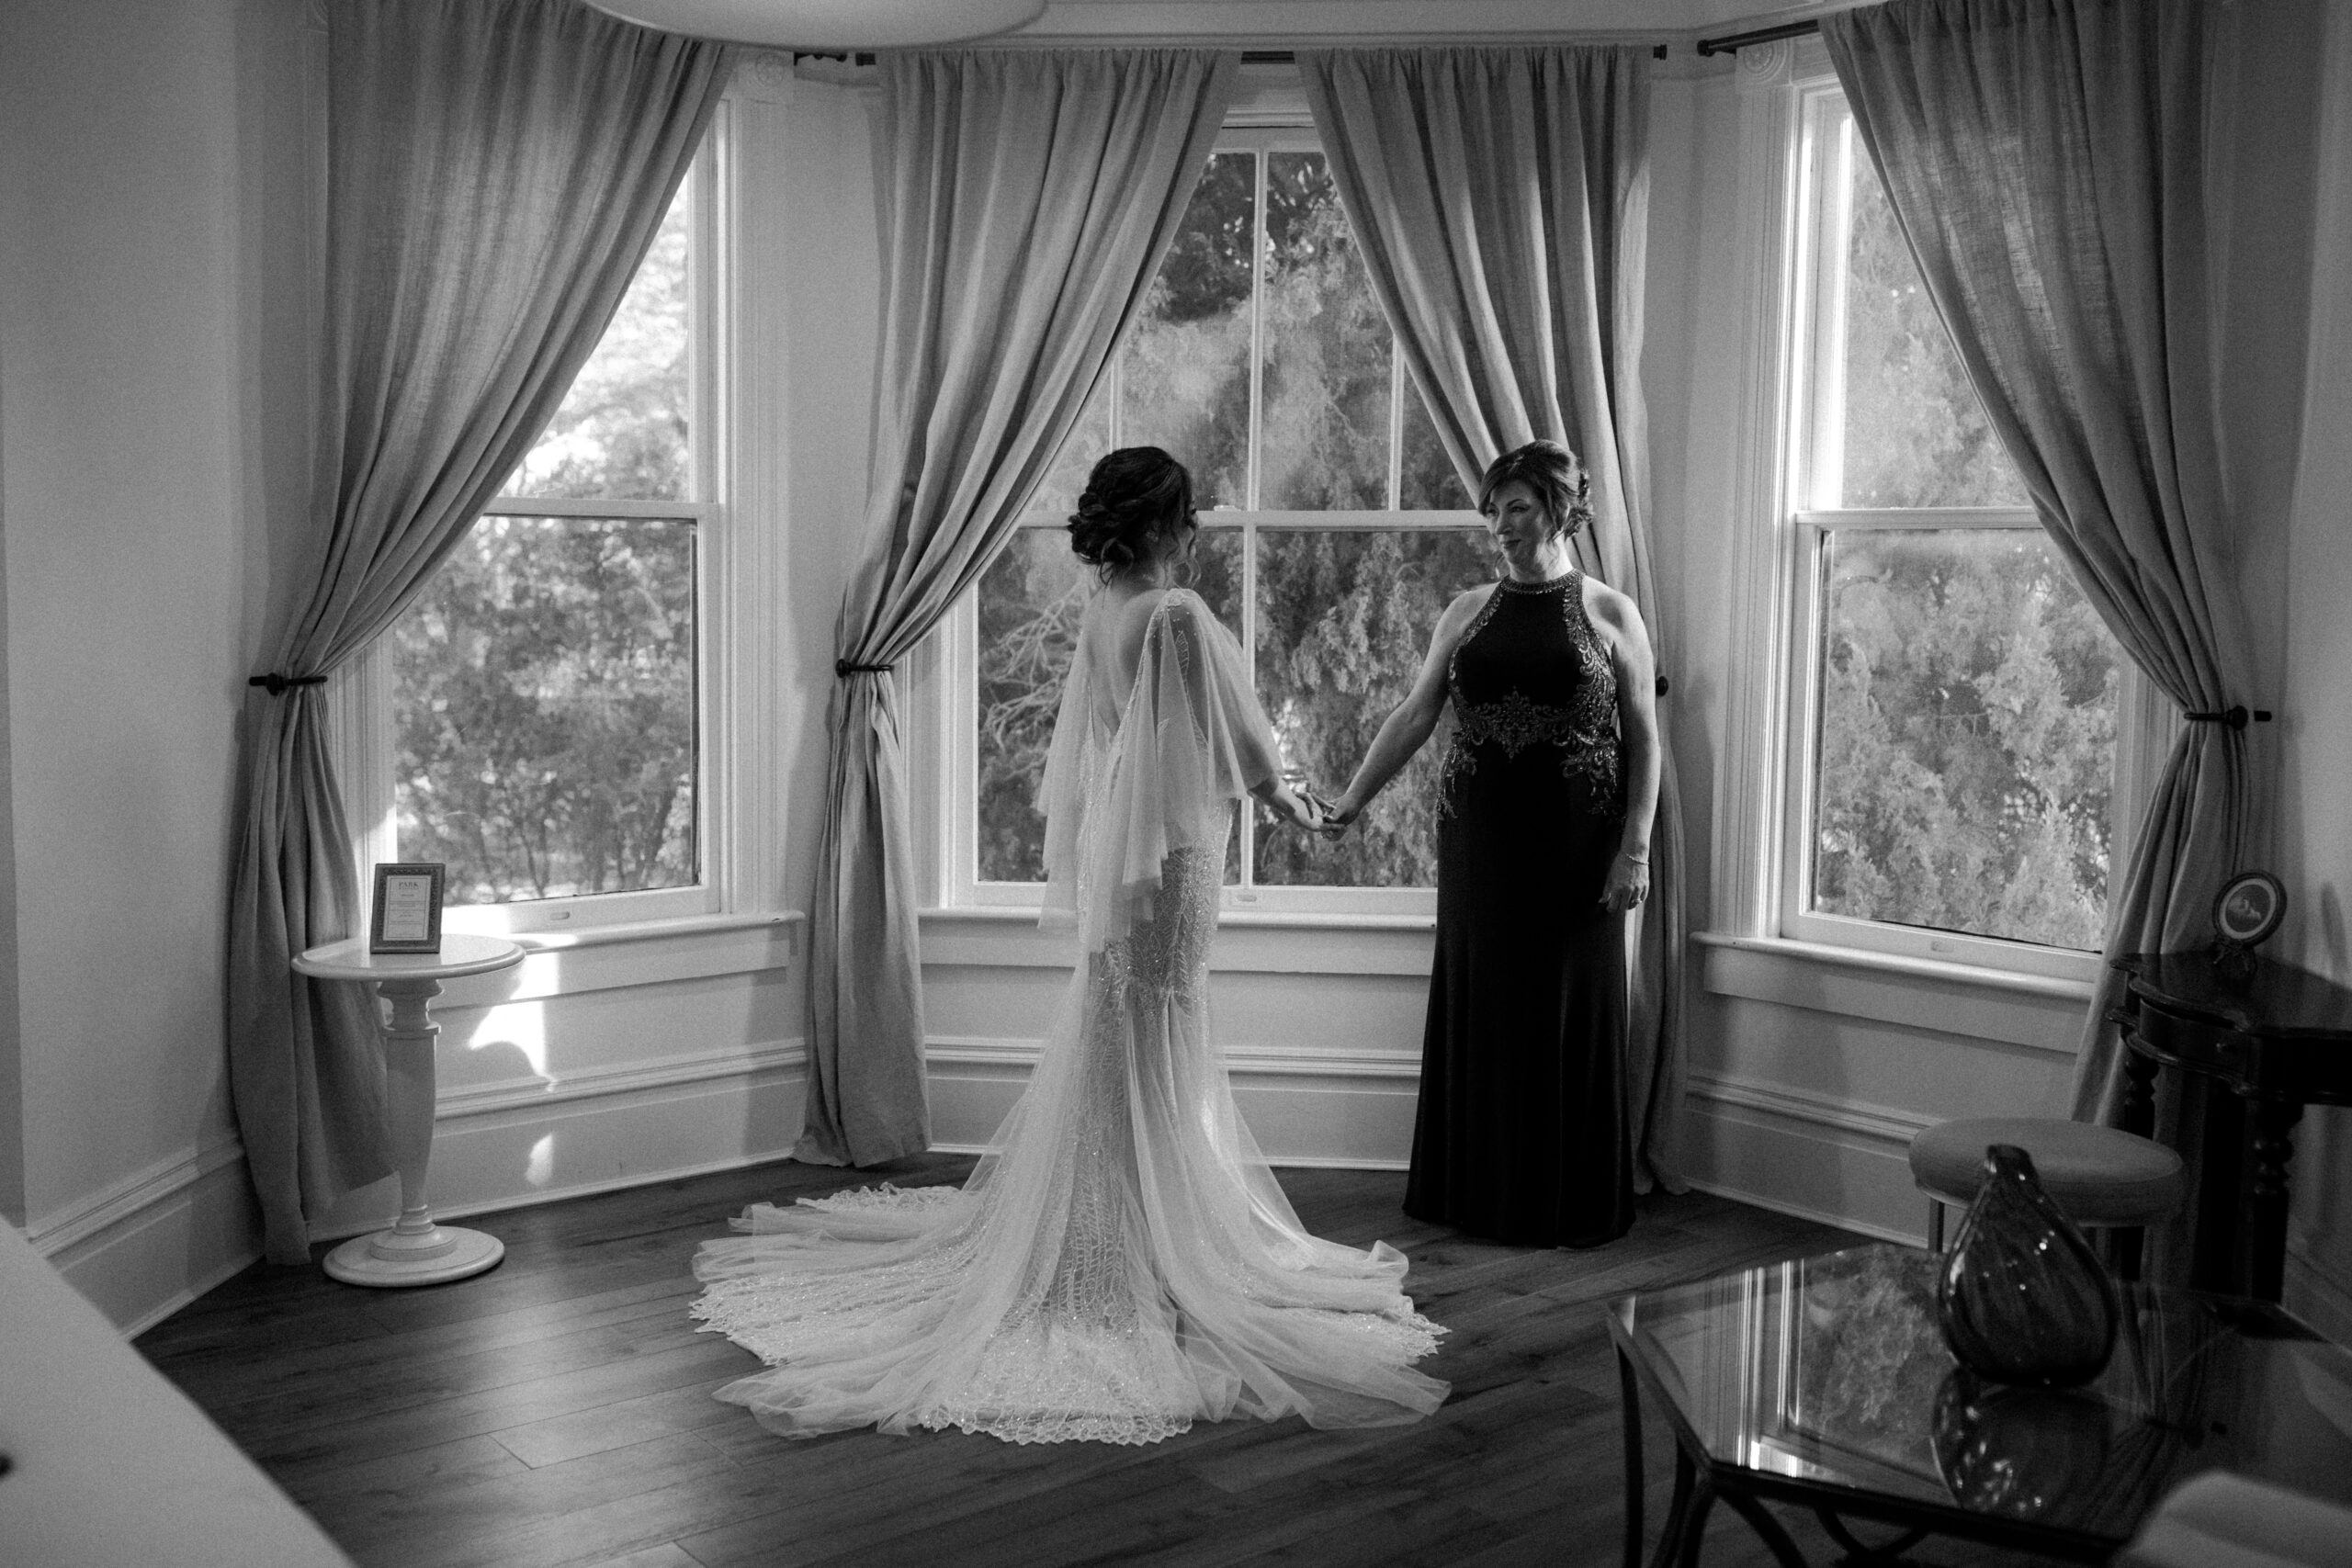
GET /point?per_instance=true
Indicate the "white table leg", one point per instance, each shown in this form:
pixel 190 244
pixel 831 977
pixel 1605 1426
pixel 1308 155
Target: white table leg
pixel 415 1251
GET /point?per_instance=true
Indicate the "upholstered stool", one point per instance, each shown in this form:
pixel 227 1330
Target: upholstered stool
pixel 2099 1176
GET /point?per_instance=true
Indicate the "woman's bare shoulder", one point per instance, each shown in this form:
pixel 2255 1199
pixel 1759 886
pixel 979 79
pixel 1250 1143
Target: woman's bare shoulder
pixel 1611 608
pixel 1457 616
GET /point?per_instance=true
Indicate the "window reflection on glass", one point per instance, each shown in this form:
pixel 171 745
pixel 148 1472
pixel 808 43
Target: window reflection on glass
pixel 1185 383
pixel 544 705
pixel 1914 431
pixel 1343 621
pixel 1966 742
pixel 1323 442
pixel 623 430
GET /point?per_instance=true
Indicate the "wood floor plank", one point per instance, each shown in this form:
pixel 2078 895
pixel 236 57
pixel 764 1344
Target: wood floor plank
pixel 557 1413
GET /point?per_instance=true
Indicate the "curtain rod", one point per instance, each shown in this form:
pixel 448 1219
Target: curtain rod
pixel 1731 43
pixel 1287 57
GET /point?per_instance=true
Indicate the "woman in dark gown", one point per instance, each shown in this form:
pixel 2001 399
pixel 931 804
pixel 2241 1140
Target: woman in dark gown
pixel 1548 792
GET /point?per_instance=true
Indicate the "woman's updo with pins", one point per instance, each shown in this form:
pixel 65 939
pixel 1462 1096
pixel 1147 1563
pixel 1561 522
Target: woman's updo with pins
pixel 1552 471
pixel 1133 498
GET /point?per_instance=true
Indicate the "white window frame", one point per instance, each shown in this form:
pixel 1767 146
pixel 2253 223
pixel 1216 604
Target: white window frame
pixel 946 673
pixel 1765 795
pixel 738 566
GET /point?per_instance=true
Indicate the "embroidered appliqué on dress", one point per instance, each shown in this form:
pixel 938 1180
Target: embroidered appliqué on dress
pixel 1585 729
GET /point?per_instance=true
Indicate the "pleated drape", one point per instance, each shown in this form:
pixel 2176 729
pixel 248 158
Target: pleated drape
pixel 1500 198
pixel 2047 161
pixel 1028 197
pixel 495 171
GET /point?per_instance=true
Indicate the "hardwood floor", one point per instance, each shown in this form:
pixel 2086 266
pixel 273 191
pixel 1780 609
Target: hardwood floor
pixel 558 1410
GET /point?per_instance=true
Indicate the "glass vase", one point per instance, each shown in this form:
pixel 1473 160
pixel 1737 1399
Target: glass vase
pixel 2022 1298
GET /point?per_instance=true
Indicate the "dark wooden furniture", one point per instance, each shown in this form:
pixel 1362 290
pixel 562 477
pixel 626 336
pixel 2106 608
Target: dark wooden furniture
pixel 2278 1040
pixel 1824 1383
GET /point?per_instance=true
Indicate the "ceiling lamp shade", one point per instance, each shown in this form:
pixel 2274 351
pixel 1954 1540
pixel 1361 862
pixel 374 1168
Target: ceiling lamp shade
pixel 829 24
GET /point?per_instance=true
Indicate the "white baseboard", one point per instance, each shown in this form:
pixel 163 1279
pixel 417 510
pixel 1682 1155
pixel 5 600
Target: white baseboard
pixel 1306 1107
pixel 142 1248
pixel 525 1142
pixel 1837 1161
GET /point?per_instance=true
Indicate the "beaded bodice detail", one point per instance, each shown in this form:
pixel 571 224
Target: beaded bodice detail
pixel 1532 670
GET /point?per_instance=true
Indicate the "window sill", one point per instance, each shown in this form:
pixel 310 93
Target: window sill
pixel 1256 941
pixel 2036 1011
pixel 641 953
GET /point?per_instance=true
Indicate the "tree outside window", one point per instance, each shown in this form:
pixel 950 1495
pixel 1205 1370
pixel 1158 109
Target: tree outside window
pixel 1964 693
pixel 1334 530
pixel 544 682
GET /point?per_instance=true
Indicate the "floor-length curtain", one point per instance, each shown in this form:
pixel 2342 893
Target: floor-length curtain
pixel 1028 197
pixel 2047 161
pixel 495 171
pixel 1500 198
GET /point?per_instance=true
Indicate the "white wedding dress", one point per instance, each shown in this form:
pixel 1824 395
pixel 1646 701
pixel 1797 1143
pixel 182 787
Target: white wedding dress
pixel 1122 1264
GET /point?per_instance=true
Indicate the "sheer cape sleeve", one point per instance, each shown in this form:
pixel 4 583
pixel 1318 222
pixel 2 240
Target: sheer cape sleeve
pixel 1119 798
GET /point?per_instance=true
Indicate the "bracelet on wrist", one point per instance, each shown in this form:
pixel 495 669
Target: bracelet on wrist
pixel 1630 860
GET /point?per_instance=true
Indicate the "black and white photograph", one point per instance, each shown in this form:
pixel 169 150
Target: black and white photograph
pixel 1180 782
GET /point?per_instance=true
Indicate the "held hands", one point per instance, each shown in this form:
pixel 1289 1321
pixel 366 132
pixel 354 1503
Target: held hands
pixel 1299 807
pixel 1628 883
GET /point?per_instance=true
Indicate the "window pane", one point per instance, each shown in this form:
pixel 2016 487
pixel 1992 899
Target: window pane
pixel 1323 441
pixel 544 697
pixel 622 432
pixel 1029 603
pixel 1343 621
pixel 1187 370
pixel 1915 432
pixel 1425 480
pixel 1967 740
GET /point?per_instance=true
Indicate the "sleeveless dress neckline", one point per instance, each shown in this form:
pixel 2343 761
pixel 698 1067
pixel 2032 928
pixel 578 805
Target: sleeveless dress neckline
pixel 1549 584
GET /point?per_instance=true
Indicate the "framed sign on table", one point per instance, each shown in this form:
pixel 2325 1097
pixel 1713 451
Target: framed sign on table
pixel 405 915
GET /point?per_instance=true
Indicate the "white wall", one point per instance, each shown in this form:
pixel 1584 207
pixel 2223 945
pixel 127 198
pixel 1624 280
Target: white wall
pixel 2315 698
pixel 135 346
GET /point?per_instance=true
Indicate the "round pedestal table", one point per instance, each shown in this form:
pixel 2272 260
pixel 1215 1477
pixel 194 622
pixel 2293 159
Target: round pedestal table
pixel 415 1251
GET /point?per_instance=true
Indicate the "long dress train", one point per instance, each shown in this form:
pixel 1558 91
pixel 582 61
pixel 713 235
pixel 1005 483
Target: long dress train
pixel 1123 1264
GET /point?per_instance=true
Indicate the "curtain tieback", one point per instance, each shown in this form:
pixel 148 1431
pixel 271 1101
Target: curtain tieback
pixel 2235 717
pixel 843 669
pixel 277 684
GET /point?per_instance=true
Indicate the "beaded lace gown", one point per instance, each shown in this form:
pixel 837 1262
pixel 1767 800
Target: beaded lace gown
pixel 1522 1131
pixel 1123 1263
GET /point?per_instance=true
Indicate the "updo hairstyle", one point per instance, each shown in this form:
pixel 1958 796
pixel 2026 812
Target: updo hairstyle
pixel 1133 498
pixel 1552 471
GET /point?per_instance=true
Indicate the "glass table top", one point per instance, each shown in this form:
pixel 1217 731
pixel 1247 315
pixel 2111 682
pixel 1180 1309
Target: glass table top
pixel 1831 1370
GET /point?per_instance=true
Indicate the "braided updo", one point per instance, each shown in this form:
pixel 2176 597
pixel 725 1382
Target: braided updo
pixel 1133 498
pixel 1552 471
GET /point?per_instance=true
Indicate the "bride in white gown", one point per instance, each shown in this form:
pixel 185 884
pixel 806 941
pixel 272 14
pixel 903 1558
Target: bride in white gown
pixel 1123 1264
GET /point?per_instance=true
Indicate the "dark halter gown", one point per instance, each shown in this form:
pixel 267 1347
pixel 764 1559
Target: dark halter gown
pixel 1522 1131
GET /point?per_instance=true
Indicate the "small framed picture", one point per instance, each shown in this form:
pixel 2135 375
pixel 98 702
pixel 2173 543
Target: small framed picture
pixel 405 914
pixel 2249 908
